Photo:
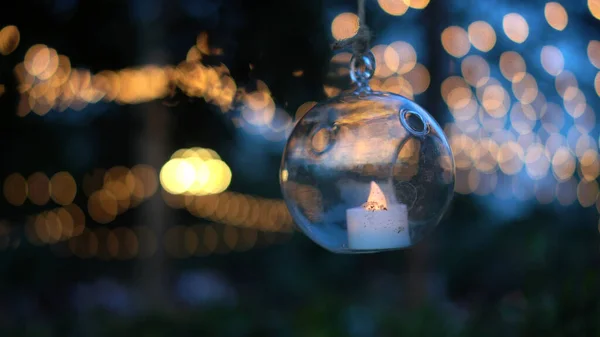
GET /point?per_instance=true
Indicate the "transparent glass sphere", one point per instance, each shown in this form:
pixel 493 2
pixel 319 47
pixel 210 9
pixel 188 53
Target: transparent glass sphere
pixel 366 172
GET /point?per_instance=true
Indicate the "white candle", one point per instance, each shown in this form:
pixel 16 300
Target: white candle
pixel 377 225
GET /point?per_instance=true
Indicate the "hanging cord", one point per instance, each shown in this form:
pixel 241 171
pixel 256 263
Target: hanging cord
pixel 360 41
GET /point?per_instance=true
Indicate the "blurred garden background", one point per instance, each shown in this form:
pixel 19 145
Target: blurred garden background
pixel 141 142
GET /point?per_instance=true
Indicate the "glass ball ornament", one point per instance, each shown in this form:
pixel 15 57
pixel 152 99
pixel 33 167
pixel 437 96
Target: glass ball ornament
pixel 367 171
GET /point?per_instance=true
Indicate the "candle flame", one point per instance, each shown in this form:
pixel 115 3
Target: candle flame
pixel 376 200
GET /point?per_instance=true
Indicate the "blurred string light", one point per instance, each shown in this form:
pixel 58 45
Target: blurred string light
pixel 400 7
pixel 455 41
pixel 66 226
pixel 556 15
pixel 236 209
pixel 195 171
pixel 259 115
pixel 482 35
pixel 344 26
pixel 9 40
pixel 50 227
pixel 117 190
pixel 205 239
pixel 123 243
pixel 47 81
pixel 515 27
pixel 593 52
pixel 594 7
pixel 491 157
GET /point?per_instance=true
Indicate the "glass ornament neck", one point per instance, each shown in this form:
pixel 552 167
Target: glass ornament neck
pixel 362 68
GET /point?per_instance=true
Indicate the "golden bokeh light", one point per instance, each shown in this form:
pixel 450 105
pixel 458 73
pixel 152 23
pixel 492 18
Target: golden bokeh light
pixel 63 188
pixel 178 175
pixel 552 60
pixel 597 83
pixel 417 4
pixel 556 15
pixel 195 174
pixel 482 35
pixel 400 57
pixel 576 104
pixel 344 26
pixel 475 70
pixel 15 189
pixel 512 66
pixel 566 85
pixel 594 7
pixel 510 158
pixel 593 52
pixel 494 98
pixel 522 118
pixel 563 164
pixel 397 85
pixel 455 41
pixel 590 165
pixel 38 188
pixel 379 52
pixel 102 206
pixel 515 27
pixel 9 39
pixel 240 210
pixel 537 161
pixel 526 89
pixel 419 78
pixel 393 7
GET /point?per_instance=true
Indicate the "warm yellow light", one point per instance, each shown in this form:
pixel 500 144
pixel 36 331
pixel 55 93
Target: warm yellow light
pixel 195 171
pixel 556 15
pixel 344 26
pixel 515 27
pixel 593 51
pixel 416 4
pixel 15 189
pixel 526 89
pixel 393 7
pixel 455 41
pixel 400 57
pixel 594 7
pixel 512 66
pixel 482 35
pixel 418 78
pixel 9 39
pixel 63 188
pixel 177 175
pixel 376 199
pixel 475 70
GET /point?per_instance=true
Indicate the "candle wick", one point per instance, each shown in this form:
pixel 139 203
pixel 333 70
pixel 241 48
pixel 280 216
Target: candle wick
pixel 374 206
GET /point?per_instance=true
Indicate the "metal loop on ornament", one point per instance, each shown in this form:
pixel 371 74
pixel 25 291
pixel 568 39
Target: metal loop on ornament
pixel 414 123
pixel 362 68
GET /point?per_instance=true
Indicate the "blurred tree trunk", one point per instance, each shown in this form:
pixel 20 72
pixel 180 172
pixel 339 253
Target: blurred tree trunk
pixel 435 18
pixel 153 149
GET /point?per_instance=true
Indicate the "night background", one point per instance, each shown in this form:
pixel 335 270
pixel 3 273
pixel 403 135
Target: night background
pixel 141 143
